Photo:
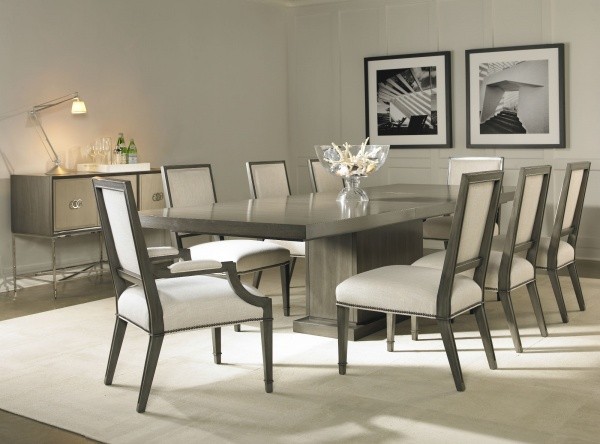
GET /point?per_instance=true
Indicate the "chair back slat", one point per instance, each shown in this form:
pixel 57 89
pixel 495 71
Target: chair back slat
pixel 471 233
pixel 572 197
pixel 457 166
pixel 125 245
pixel 322 180
pixel 188 185
pixel 268 179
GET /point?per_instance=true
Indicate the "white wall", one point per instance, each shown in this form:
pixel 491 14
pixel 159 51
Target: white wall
pixel 191 81
pixel 329 42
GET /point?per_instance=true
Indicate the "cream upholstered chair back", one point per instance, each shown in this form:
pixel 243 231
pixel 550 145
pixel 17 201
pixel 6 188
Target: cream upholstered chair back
pixel 188 185
pixel 268 179
pixel 471 233
pixel 570 203
pixel 322 180
pixel 125 244
pixel 457 166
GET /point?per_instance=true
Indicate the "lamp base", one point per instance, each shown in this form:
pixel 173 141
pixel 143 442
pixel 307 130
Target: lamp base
pixel 58 170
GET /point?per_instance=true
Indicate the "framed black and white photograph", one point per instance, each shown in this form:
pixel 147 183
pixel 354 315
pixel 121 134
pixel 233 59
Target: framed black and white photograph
pixel 407 100
pixel 516 97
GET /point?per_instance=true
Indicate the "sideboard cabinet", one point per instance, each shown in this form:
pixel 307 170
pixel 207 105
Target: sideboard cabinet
pixel 54 206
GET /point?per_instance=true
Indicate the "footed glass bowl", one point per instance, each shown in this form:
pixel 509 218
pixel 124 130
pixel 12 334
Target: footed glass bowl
pixel 352 162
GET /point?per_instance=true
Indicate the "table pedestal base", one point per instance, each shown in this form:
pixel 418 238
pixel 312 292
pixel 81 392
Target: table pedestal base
pixel 333 259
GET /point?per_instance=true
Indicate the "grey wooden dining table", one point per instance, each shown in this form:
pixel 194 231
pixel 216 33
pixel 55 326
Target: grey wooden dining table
pixel 341 240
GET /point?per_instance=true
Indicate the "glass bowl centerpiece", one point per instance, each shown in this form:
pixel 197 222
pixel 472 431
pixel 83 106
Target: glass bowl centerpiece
pixel 352 162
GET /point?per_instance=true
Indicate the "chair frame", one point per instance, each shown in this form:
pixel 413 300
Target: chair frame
pixel 249 166
pixel 444 314
pixel 531 247
pixel 572 233
pixel 313 179
pixel 123 278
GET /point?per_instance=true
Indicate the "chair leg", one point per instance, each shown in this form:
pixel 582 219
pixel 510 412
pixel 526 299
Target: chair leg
pixel 154 346
pixel 266 337
pixel 576 285
pixel 390 319
pixel 256 279
pixel 285 287
pixel 537 307
pixel 292 266
pixel 560 301
pixel 115 349
pixel 486 337
pixel 414 328
pixel 343 319
pixel 452 353
pixel 509 313
pixel 216 340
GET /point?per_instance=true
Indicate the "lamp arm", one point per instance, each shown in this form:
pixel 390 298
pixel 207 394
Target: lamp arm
pixel 54 102
pixel 35 118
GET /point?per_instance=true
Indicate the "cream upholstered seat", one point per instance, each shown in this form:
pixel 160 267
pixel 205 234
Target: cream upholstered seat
pixel 441 294
pixel 438 228
pixel 270 179
pixel 322 180
pixel 554 253
pixel 190 185
pixel 507 270
pixel 185 301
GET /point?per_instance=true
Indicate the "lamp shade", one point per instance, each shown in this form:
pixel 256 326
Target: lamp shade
pixel 78 107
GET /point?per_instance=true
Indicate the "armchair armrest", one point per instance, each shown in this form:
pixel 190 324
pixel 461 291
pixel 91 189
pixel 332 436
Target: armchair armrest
pixel 197 266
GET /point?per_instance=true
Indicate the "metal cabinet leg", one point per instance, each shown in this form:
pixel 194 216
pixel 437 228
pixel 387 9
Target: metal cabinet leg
pixel 54 266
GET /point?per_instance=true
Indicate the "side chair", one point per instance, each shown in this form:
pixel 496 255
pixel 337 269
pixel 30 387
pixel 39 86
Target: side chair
pixel 433 293
pixel 270 179
pixel 188 300
pixel 554 253
pixel 508 269
pixel 322 180
pixel 438 228
pixel 189 185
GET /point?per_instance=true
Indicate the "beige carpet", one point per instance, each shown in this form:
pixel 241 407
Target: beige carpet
pixel 52 366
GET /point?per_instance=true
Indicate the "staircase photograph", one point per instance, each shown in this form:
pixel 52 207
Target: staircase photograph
pixel 506 122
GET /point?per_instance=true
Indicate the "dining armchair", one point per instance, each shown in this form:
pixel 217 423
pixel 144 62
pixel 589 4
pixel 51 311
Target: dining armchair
pixel 190 185
pixel 514 255
pixel 188 300
pixel 322 180
pixel 555 254
pixel 270 179
pixel 440 294
pixel 438 228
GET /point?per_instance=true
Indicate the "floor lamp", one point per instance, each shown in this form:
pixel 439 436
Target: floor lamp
pixel 77 107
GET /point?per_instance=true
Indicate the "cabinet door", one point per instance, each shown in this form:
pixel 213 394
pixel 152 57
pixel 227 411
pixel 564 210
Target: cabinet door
pixel 131 178
pixel 74 204
pixel 151 192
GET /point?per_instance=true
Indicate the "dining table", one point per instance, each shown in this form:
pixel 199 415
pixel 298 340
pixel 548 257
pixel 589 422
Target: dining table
pixel 342 239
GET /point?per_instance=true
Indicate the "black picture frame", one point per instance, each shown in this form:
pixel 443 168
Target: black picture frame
pixel 516 97
pixel 408 102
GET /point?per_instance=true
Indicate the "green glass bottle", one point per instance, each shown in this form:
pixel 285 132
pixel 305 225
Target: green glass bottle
pixel 120 156
pixel 132 153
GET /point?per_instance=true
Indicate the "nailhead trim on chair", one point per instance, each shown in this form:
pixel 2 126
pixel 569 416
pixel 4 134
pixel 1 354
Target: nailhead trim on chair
pixel 409 313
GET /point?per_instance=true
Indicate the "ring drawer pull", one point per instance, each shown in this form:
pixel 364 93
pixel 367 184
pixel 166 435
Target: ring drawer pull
pixel 157 197
pixel 76 204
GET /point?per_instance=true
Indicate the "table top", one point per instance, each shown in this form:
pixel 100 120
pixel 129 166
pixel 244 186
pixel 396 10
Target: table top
pixel 310 216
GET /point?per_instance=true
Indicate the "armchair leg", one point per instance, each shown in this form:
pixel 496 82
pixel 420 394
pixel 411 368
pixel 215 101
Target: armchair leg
pixel 343 319
pixel 560 301
pixel 537 307
pixel 256 279
pixel 486 337
pixel 452 353
pixel 115 349
pixel 154 346
pixel 216 340
pixel 511 320
pixel 390 319
pixel 292 266
pixel 414 328
pixel 266 337
pixel 576 285
pixel 285 287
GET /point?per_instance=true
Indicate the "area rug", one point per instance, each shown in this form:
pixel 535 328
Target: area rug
pixel 52 366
